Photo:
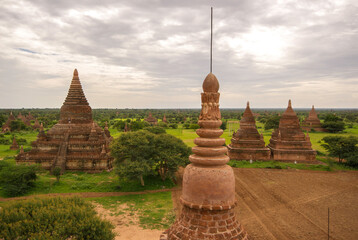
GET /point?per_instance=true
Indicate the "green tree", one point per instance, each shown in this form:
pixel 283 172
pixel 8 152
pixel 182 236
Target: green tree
pixel 333 123
pixel 142 153
pixel 170 153
pixel 133 149
pixel 57 173
pixel 272 122
pixel 155 129
pixel 18 125
pixel 223 125
pixel 16 180
pixel 341 147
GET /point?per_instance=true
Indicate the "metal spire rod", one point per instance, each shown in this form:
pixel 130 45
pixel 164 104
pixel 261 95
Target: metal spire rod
pixel 211 42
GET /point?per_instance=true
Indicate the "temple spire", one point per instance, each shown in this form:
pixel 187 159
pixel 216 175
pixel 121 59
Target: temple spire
pixel 75 107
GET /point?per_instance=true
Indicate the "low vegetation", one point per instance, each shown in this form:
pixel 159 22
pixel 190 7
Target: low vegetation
pixel 16 180
pixel 52 218
pixel 154 210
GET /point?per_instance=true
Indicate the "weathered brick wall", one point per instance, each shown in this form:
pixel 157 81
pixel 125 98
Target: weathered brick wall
pixel 206 224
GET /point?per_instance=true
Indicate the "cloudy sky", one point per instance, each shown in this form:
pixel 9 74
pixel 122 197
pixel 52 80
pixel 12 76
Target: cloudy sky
pixel 155 53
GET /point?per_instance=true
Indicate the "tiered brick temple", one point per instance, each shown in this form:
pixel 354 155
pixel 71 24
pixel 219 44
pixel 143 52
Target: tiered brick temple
pixel 151 120
pixel 247 143
pixel 312 122
pixel 288 142
pixel 76 143
pixel 208 198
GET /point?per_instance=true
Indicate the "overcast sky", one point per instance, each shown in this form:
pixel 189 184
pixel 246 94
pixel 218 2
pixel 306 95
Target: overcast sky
pixel 155 53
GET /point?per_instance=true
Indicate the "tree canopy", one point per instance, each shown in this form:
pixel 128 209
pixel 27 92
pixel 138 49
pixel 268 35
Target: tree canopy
pixel 143 153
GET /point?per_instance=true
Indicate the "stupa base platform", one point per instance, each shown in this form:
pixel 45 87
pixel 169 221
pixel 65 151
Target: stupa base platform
pixel 300 156
pixel 261 154
pixel 205 224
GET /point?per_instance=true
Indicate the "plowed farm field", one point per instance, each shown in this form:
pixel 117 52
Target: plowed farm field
pixel 293 204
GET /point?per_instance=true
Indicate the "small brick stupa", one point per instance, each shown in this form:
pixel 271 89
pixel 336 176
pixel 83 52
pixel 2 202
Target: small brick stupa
pixel 165 119
pixel 208 198
pixel 14 145
pixel 288 143
pixel 312 122
pixel 247 143
pixel 76 143
pixel 151 120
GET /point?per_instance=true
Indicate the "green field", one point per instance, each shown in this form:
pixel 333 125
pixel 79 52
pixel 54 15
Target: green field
pixel 188 135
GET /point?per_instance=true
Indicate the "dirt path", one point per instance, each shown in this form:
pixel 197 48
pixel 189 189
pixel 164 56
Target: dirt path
pixel 88 194
pixel 126 224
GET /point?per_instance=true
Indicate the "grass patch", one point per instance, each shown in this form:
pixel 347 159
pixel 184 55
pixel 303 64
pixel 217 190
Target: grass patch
pixel 154 210
pixel 71 182
pixel 330 165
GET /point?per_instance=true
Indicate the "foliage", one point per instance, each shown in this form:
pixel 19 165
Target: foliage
pixel 18 125
pixel 4 140
pixel 272 122
pixel 57 173
pixel 155 129
pixel 170 153
pixel 52 218
pixel 194 126
pixel 223 125
pixel 134 170
pixel 352 160
pixel 16 180
pixel 173 125
pixel 138 125
pixel 333 123
pixel 163 125
pixel 341 147
pixel 142 153
pixel 21 141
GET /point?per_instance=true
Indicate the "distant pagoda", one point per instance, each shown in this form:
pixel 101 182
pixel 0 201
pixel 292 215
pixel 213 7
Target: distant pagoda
pixel 247 143
pixel 165 119
pixel 76 143
pixel 7 125
pixel 312 122
pixel 151 120
pixel 288 142
pixel 14 145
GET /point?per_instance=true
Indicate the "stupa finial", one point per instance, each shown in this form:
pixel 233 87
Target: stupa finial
pixel 248 104
pixel 289 103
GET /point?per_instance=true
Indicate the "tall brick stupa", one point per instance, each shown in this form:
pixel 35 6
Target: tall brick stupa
pixel 76 142
pixel 246 142
pixel 208 197
pixel 288 143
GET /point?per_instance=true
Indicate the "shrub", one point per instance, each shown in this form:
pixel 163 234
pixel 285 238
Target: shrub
pixel 155 129
pixel 52 218
pixel 16 180
pixel 194 126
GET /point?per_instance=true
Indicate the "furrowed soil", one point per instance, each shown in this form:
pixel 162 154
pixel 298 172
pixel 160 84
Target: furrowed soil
pixel 293 204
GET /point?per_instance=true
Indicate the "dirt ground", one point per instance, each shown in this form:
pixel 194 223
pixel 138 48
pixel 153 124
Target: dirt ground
pixel 293 204
pixel 127 225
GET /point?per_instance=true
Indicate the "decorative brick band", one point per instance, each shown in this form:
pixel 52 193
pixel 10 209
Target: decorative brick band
pixel 208 207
